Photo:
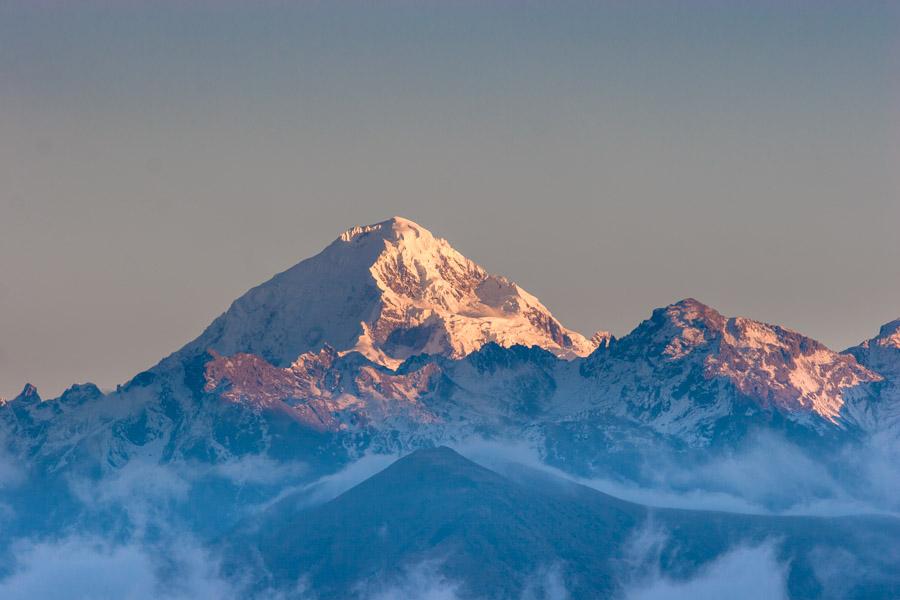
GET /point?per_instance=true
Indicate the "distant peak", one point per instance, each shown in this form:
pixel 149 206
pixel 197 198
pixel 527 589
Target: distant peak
pixel 441 462
pixel 357 231
pixel 388 290
pixel 691 304
pixel 81 391
pixel 394 228
pixel 602 339
pixel 891 331
pixel 444 451
pixel 687 312
pixel 888 337
pixel 397 221
pixel 29 394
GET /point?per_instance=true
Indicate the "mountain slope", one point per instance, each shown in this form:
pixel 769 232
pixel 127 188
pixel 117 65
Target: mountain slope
pixel 389 291
pixel 320 346
pixel 434 505
pixel 881 354
pixel 687 372
pixel 688 366
pixel 493 536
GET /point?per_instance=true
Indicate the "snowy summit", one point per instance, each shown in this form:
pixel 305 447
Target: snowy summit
pixel 389 291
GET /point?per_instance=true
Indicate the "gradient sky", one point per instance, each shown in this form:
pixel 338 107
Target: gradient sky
pixel 159 158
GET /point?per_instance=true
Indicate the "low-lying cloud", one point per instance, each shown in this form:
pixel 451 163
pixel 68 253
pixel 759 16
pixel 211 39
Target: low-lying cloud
pixel 765 475
pixel 87 568
pixel 158 555
pixel 743 573
pixel 423 581
pixel 335 484
pixel 11 473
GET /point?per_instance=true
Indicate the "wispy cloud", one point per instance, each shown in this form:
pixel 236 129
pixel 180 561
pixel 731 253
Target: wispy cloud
pixel 765 475
pixel 78 568
pixel 425 581
pixel 743 572
pixel 422 581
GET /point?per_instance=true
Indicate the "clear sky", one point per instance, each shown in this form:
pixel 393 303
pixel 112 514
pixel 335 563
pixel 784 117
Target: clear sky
pixel 159 158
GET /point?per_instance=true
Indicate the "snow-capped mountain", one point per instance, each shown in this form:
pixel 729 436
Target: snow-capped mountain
pixel 28 395
pixel 687 372
pixel 325 391
pixel 389 338
pixel 389 341
pixel 881 354
pixel 389 291
pixel 688 366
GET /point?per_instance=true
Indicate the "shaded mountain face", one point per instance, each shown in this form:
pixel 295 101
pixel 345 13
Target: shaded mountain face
pixel 389 291
pixel 881 354
pixel 485 535
pixel 434 505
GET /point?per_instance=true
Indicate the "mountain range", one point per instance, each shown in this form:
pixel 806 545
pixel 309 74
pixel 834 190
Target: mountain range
pixel 390 341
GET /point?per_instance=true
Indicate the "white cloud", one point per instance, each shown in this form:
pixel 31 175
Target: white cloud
pixel 80 568
pixel 333 485
pixel 420 582
pixel 11 474
pixel 744 573
pixel 547 583
pixel 146 491
pixel 259 469
pixel 766 475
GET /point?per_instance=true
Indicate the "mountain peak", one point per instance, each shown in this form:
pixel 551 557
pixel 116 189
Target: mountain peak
pixel 28 394
pixel 889 334
pixel 882 352
pixel 676 330
pixel 888 338
pixel 690 303
pixel 389 290
pixel 602 339
pixel 395 228
pixel 688 342
pixel 691 310
pixel 434 455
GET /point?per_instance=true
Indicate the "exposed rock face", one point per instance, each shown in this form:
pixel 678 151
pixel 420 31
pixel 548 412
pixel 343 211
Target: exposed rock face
pixel 323 391
pixel 682 373
pixel 602 339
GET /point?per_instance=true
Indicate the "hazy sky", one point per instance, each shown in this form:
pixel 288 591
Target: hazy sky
pixel 158 159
